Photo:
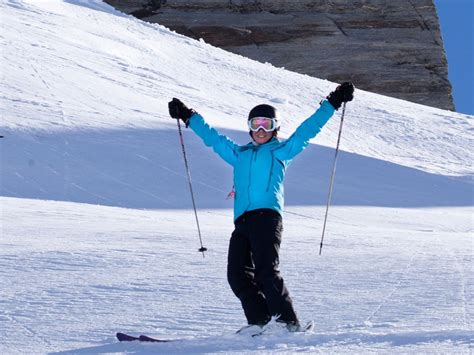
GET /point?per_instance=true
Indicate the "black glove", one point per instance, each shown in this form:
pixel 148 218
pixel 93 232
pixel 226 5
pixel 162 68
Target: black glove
pixel 343 93
pixel 178 110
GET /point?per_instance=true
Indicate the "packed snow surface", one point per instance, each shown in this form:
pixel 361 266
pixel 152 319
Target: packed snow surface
pixel 98 233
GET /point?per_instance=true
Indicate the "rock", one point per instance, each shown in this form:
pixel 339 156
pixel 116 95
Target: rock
pixel 391 47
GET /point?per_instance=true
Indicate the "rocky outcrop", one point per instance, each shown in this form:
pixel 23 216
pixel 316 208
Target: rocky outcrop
pixel 391 47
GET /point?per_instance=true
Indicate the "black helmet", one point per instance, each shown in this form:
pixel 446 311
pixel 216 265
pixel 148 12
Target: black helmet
pixel 263 111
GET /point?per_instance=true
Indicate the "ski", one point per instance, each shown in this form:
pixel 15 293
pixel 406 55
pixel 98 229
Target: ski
pixel 307 328
pixel 247 330
pixel 126 337
pixel 250 329
pixel 143 338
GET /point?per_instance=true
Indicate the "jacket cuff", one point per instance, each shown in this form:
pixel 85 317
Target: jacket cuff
pixel 326 105
pixel 188 122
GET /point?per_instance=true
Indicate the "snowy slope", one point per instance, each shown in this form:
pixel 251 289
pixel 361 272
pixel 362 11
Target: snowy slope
pixel 97 231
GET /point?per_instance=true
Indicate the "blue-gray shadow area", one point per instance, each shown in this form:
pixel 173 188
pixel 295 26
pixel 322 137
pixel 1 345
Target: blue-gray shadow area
pixel 458 340
pixel 144 169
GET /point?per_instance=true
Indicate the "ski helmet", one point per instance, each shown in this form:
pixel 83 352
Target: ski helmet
pixel 263 111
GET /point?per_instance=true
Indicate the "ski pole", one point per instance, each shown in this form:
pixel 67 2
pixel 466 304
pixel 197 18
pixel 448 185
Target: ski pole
pixel 331 184
pixel 202 248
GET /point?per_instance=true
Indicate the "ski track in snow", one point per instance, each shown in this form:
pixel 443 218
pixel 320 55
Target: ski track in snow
pixel 136 272
pixel 97 231
pixel 397 284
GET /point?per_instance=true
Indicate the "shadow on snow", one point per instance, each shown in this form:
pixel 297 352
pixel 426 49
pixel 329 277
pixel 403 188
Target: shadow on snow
pixel 297 342
pixel 144 169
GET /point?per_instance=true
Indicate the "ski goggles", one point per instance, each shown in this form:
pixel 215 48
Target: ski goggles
pixel 265 123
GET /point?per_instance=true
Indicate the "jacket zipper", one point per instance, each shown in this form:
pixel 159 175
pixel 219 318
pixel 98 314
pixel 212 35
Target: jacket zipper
pixel 250 175
pixel 271 172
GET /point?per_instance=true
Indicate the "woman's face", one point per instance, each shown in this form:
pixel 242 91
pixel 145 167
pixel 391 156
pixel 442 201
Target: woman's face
pixel 262 137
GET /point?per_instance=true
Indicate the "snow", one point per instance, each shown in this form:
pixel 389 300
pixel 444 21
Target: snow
pixel 98 233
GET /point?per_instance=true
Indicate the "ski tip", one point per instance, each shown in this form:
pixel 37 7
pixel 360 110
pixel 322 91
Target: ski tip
pixel 125 337
pixel 142 338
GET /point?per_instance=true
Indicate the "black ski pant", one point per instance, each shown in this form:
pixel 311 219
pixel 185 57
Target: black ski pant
pixel 252 268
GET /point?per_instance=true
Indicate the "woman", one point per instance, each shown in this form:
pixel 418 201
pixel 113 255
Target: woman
pixel 259 171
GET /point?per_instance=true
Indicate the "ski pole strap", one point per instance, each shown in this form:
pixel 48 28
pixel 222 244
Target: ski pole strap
pixel 202 248
pixel 331 184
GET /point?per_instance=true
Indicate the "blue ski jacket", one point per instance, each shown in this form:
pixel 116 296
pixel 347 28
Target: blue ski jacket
pixel 259 170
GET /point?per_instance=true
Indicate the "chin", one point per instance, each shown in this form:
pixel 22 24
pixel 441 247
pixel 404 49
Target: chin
pixel 261 140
